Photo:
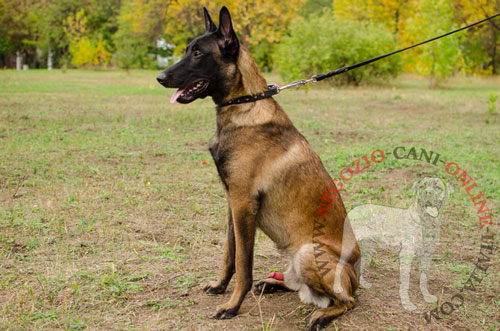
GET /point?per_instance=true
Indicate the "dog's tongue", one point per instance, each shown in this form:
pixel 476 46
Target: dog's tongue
pixel 177 95
pixel 433 211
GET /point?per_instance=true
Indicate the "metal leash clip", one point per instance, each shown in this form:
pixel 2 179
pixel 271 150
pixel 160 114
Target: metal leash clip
pixel 299 83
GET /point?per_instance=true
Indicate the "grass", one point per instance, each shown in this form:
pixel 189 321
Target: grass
pixel 111 216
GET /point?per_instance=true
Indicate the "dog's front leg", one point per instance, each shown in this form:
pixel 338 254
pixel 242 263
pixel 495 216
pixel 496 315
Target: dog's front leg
pixel 405 257
pixel 425 263
pixel 219 286
pixel 244 233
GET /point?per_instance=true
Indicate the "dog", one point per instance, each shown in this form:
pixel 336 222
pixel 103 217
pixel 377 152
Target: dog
pixel 414 231
pixel 272 178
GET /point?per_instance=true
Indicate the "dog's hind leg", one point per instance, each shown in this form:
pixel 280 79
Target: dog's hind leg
pixel 348 248
pixel 367 247
pixel 339 303
pixel 228 268
pixel 318 285
pixel 324 316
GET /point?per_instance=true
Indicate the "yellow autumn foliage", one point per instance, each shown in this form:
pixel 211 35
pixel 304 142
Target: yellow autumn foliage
pixel 256 21
pixel 84 51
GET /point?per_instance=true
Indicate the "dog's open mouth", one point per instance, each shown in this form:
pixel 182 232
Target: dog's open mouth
pixel 189 93
pixel 431 207
pixel 432 211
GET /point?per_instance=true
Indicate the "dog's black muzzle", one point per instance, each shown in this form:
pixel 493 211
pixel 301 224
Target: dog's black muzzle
pixel 163 78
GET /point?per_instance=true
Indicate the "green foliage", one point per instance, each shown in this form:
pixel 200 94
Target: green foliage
pixel 315 7
pixel 480 47
pixel 492 103
pixel 139 26
pixel 479 51
pixel 318 45
pixel 438 59
pixel 130 51
pixel 15 26
pixel 262 54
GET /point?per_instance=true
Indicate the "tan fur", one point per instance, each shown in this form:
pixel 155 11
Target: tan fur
pixel 249 115
pixel 249 81
pixel 252 79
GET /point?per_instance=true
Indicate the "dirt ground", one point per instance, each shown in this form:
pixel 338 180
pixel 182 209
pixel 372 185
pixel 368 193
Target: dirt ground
pixel 112 214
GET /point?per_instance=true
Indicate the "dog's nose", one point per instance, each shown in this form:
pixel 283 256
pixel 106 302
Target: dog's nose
pixel 160 78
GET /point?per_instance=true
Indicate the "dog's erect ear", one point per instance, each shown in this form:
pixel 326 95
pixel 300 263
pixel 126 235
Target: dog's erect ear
pixel 209 24
pixel 228 41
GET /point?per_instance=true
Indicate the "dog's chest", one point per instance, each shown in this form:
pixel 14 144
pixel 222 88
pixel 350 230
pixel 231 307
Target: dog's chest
pixel 220 157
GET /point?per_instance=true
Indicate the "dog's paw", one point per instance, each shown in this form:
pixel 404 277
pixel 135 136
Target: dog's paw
pixel 262 287
pixel 408 305
pixel 430 298
pixel 317 323
pixel 226 311
pixel 213 288
pixel 265 286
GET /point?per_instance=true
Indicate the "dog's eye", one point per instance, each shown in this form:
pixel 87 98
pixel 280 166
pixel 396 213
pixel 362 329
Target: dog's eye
pixel 196 53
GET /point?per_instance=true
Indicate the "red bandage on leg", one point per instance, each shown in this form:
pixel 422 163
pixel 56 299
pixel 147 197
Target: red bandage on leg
pixel 275 275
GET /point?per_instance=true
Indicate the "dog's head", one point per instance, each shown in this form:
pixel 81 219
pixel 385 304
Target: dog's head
pixel 207 66
pixel 431 194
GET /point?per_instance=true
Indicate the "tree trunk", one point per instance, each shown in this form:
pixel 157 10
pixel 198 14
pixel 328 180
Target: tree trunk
pixel 18 61
pixel 49 59
pixel 433 82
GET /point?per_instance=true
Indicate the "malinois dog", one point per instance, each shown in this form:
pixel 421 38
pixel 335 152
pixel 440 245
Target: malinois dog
pixel 272 178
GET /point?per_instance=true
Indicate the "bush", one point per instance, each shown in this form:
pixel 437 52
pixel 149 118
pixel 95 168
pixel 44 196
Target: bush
pixel 85 52
pixel 492 103
pixel 318 45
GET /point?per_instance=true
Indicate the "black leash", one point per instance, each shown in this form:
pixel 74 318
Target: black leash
pixel 275 89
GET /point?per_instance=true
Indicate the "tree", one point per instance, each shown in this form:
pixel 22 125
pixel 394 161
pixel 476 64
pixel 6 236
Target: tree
pixel 260 24
pixel 84 48
pixel 15 31
pixel 140 25
pixel 391 13
pixel 438 59
pixel 37 27
pixel 481 47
